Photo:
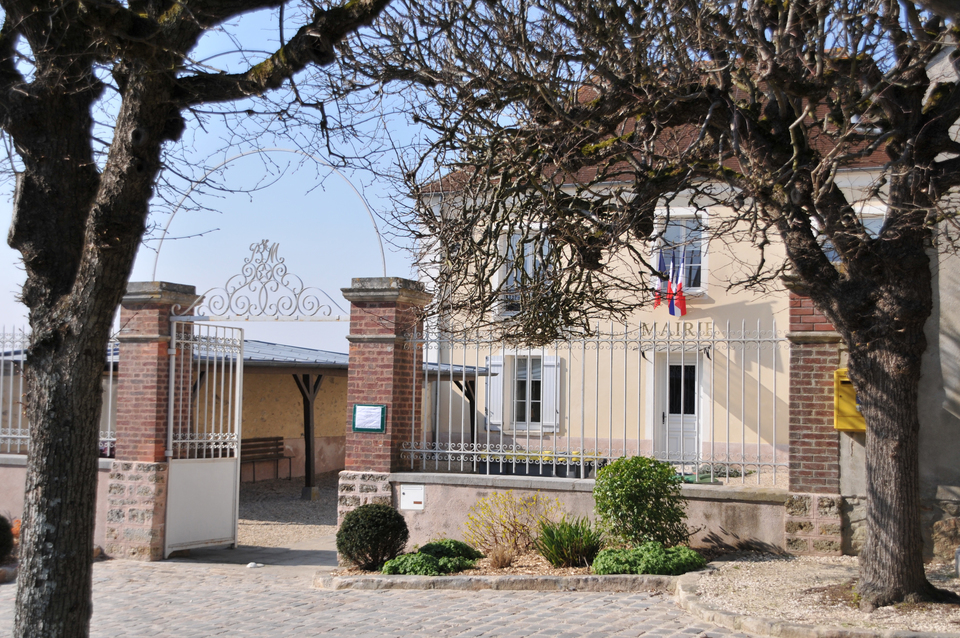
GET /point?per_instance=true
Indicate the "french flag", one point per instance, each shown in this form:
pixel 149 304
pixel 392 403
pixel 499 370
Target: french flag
pixel 658 284
pixel 678 302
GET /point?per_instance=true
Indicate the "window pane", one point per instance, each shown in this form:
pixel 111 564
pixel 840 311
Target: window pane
pixel 689 389
pixel 674 390
pixel 535 412
pixel 684 393
pixel 521 411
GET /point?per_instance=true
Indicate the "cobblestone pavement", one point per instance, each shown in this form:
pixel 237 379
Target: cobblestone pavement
pixel 196 600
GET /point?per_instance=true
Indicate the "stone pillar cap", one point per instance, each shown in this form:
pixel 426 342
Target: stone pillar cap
pixel 139 292
pixel 387 289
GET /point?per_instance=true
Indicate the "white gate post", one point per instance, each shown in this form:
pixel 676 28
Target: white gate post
pixel 138 478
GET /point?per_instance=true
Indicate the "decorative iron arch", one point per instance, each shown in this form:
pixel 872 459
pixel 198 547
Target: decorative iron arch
pixel 263 290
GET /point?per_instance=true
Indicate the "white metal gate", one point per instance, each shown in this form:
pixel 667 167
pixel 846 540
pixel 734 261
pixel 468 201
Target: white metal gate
pixel 203 436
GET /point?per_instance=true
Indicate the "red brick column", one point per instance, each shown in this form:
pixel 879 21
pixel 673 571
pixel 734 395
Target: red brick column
pixel 137 488
pixel 812 517
pixel 384 370
pixel 384 316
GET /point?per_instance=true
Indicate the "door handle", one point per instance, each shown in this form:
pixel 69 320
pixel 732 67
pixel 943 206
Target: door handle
pixel 663 418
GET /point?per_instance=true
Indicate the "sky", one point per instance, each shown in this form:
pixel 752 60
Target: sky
pixel 321 224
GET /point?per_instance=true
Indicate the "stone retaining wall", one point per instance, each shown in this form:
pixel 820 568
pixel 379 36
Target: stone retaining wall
pixel 361 488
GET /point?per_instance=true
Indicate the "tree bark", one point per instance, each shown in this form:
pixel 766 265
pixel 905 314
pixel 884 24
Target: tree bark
pixel 72 303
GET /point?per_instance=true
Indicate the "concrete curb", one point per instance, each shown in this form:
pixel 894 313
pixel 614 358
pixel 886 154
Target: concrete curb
pixel 688 597
pixel 613 583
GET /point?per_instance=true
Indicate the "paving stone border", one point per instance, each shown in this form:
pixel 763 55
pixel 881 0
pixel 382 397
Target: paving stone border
pixel 613 583
pixel 687 596
pixel 684 588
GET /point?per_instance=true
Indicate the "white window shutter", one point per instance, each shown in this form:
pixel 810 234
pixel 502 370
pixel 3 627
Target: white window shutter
pixel 550 398
pixel 494 393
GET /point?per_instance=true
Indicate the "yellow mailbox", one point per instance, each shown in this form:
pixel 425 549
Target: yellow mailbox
pixel 846 408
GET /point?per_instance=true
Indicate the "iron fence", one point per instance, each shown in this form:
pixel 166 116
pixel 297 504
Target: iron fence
pixel 711 400
pixel 14 428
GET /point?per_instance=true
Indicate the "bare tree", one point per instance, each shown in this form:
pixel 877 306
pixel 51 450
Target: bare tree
pixel 568 123
pixel 91 93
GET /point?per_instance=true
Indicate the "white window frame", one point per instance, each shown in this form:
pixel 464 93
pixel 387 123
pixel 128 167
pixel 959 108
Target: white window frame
pixel 500 400
pixel 677 213
pixel 504 273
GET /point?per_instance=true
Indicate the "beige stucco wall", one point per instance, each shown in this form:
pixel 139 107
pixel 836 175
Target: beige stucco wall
pixel 13 479
pixel 273 406
pixel 727 516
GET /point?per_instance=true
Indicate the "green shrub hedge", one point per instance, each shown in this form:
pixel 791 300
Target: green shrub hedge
pixel 649 558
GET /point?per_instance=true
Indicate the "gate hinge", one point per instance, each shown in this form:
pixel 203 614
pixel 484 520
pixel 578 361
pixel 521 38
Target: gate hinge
pixel 171 351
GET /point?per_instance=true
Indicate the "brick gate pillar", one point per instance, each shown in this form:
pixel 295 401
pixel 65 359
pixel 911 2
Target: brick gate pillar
pixel 384 365
pixel 138 478
pixel 812 522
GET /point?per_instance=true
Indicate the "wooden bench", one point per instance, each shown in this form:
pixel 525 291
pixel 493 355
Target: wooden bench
pixel 268 448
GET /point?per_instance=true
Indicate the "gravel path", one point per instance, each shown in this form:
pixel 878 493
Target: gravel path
pixel 816 590
pixel 273 515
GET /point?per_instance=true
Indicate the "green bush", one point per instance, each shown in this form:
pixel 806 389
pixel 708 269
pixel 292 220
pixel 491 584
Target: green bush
pixel 450 548
pixel 421 564
pixel 569 543
pixel 649 558
pixel 452 565
pixel 371 535
pixel 616 561
pixel 638 500
pixel 413 565
pixel 6 539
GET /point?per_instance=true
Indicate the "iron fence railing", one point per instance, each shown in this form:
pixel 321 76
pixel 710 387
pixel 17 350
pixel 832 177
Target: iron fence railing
pixel 14 429
pixel 711 400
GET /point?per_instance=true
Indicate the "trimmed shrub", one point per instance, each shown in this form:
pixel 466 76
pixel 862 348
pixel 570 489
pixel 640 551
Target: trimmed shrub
pixel 569 543
pixel 649 558
pixel 413 565
pixel 450 548
pixel 638 500
pixel 371 535
pixel 616 561
pixel 6 539
pixel 502 519
pixel 421 564
pixel 452 565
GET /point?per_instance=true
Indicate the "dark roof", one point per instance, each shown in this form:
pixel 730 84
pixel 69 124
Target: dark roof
pixel 265 354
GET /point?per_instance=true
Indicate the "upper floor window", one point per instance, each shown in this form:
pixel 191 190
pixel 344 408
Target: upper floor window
pixel 682 242
pixel 524 261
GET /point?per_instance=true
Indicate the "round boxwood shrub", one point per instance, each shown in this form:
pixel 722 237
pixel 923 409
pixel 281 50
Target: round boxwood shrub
pixel 638 500
pixel 371 535
pixel 6 539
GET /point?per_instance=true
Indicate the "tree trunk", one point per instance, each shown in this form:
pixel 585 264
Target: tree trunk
pixel 892 557
pixel 72 298
pixel 54 585
pixel 886 342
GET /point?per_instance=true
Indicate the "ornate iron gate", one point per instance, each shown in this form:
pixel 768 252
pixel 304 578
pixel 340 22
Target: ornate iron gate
pixel 206 389
pixel 203 435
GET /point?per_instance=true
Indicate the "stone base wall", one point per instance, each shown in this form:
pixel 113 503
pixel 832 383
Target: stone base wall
pixel 813 525
pixel 136 514
pixel 939 521
pixel 361 488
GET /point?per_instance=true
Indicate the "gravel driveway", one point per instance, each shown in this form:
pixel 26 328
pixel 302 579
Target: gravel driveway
pixel 272 514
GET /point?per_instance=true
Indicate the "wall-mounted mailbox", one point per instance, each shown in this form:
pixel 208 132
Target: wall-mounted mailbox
pixel 411 497
pixel 846 406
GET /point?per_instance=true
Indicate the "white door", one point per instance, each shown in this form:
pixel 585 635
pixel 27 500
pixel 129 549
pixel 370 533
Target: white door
pixel 679 407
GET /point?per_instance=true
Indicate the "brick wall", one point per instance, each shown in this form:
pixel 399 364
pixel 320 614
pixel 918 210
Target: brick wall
pixel 804 316
pixel 384 317
pixel 137 495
